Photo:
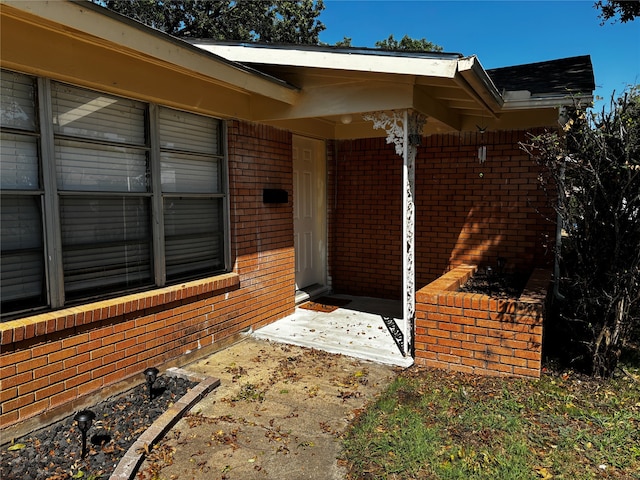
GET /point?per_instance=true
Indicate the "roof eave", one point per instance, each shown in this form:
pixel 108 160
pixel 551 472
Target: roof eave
pixel 356 60
pixel 524 100
pixel 479 81
pixel 99 24
pixel 450 69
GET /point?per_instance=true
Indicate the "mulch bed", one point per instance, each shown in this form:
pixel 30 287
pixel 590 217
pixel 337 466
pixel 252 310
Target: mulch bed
pixel 53 453
pixel 506 285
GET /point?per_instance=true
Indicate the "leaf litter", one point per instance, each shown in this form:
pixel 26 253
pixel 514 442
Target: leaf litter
pixel 269 408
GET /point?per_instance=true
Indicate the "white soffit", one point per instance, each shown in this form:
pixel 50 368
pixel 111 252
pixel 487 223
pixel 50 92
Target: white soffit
pixel 466 86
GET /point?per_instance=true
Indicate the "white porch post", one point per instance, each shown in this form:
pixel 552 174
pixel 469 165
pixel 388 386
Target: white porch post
pixel 404 129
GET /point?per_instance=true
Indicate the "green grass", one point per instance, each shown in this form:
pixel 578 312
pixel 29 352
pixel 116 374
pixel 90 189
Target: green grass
pixel 430 424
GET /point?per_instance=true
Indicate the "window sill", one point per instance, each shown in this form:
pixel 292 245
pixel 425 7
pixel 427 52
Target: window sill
pixel 47 323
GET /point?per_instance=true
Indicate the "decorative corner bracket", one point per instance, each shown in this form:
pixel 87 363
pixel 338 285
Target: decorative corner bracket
pixel 403 128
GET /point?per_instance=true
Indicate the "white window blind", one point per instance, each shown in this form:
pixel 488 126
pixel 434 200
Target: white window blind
pixel 193 235
pixel 189 173
pixel 22 271
pixel 190 165
pixel 19 162
pixel 100 202
pixel 94 167
pixel 22 267
pixel 106 238
pixel 188 132
pixel 93 115
pixel 17 101
pixel 105 242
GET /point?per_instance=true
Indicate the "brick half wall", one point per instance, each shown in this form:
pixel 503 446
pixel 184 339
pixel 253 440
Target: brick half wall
pixel 474 333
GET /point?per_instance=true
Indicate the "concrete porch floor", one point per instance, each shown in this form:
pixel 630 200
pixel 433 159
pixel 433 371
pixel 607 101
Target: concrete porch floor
pixel 357 329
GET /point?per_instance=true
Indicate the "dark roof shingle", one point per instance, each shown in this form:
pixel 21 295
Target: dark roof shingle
pixel 563 76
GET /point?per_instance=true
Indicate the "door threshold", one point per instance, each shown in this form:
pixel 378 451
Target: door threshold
pixel 309 293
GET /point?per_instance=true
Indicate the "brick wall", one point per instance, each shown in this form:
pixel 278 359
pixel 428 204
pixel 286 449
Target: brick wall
pixel 55 362
pixel 471 213
pixel 466 212
pixel 364 217
pixel 474 333
pixel 262 234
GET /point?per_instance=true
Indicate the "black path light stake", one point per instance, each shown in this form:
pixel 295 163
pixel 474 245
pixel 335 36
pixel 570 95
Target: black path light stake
pixel 151 374
pixel 84 419
pixel 489 272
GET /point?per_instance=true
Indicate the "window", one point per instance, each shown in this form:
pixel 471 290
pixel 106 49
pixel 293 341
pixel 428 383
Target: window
pixel 135 198
pixel 102 167
pixel 191 168
pixel 22 269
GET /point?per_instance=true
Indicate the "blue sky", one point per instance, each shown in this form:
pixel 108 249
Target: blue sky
pixel 500 33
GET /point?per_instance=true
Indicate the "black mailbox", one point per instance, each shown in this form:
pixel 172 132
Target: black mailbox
pixel 275 195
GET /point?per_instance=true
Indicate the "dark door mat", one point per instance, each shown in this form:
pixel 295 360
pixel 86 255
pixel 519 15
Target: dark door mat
pixel 325 304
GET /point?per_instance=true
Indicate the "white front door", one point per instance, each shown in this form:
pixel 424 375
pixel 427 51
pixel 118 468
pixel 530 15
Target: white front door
pixel 309 211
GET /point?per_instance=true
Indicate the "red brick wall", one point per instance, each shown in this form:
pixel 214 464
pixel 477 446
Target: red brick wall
pixel 262 234
pixel 474 333
pixel 364 217
pixel 58 359
pixel 466 212
pixel 53 359
pixel 471 213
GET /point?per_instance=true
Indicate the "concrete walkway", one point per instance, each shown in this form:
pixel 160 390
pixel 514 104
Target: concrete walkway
pixel 287 393
pixel 363 328
pixel 279 413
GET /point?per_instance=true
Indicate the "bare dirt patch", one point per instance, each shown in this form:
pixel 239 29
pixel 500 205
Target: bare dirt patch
pixel 279 412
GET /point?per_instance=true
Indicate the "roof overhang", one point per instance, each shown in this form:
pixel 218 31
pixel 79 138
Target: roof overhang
pixel 88 45
pixel 311 90
pixel 338 85
pixel 525 100
pixel 334 58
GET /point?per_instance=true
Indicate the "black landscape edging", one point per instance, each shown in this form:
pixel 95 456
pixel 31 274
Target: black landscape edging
pixel 131 461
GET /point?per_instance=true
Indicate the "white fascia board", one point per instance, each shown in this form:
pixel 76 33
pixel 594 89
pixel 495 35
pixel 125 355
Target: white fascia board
pixel 523 100
pixel 98 24
pixel 400 65
pixel 478 79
